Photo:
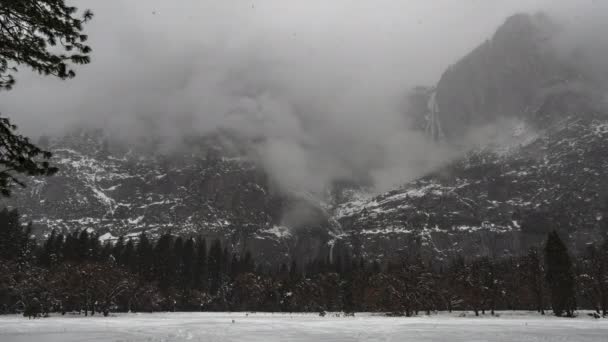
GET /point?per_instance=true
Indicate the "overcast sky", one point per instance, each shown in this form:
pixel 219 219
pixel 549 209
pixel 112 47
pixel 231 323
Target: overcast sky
pixel 322 80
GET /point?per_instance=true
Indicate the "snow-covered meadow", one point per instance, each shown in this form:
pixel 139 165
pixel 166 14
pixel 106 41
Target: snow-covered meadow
pixel 265 327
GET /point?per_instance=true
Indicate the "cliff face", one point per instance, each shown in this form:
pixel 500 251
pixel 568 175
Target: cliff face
pixel 500 199
pixel 503 77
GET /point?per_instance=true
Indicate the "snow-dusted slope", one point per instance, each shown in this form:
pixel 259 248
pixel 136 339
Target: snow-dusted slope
pixel 114 190
pixel 498 200
pixel 129 191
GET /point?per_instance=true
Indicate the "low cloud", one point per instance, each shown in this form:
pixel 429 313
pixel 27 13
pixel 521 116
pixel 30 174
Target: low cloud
pixel 320 85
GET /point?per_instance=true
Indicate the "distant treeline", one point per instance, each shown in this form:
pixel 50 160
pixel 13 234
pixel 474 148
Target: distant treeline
pixel 75 272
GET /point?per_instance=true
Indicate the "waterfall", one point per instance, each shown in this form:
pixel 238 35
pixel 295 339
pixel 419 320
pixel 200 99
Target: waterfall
pixel 433 124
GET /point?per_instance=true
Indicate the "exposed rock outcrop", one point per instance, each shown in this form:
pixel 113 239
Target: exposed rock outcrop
pixel 504 77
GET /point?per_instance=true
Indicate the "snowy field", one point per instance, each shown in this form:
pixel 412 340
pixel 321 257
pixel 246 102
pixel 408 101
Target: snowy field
pixel 301 327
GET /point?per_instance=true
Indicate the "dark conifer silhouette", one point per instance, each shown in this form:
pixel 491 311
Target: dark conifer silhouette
pixel 46 36
pixel 154 273
pixel 560 276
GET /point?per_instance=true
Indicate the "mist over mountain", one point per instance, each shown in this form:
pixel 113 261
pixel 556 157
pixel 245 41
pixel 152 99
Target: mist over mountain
pixel 319 99
pixel 286 138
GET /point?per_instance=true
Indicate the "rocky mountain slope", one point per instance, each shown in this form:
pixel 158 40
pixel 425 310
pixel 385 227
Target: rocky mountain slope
pixel 540 169
pixel 210 190
pixel 506 76
pixel 500 199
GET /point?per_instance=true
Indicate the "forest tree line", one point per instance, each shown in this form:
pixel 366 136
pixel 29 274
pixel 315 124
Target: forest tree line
pixel 77 273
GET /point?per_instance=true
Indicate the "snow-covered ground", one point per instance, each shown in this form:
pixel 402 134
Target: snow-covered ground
pixel 301 327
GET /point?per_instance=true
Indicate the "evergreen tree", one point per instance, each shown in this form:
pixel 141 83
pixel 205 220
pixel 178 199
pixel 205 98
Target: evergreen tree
pixel 534 274
pixel 117 250
pixel 225 263
pixel 201 270
pixel 129 257
pixel 83 249
pixel 46 36
pixel 293 271
pixel 283 272
pixel 95 248
pixel 58 249
pixel 215 265
pixel 594 278
pixel 70 247
pixel 144 257
pixel 164 261
pixel 48 250
pixel 13 237
pixel 28 246
pixel 105 254
pixel 247 264
pixel 178 262
pixel 188 262
pixel 560 276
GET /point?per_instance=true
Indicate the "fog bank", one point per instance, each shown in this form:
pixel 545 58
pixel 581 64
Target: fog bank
pixel 323 82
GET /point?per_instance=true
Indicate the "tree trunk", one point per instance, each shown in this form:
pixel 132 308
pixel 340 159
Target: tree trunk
pixel 540 304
